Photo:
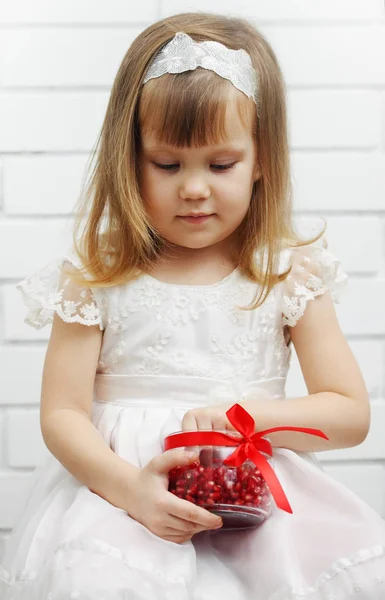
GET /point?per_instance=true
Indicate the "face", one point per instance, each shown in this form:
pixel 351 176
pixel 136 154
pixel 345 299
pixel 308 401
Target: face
pixel 197 197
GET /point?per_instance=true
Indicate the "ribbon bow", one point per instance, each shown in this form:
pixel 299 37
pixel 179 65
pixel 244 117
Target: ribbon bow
pixel 250 446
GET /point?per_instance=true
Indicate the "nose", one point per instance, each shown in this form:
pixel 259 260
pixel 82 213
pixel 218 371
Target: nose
pixel 194 187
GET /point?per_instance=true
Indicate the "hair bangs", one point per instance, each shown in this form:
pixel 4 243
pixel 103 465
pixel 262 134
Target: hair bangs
pixel 186 109
pixel 189 109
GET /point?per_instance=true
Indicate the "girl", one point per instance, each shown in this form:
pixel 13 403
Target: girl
pixel 184 294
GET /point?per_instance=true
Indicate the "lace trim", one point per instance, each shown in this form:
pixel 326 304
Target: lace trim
pixel 183 53
pixel 47 292
pixel 314 271
pixel 90 545
pixel 339 566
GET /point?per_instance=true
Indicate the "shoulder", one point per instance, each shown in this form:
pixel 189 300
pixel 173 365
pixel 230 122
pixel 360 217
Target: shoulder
pixel 51 289
pixel 315 270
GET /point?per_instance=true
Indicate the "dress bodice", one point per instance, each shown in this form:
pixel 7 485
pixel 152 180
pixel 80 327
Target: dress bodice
pixel 157 328
pixel 152 328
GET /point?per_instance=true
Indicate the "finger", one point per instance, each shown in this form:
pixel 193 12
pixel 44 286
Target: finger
pixel 204 422
pixel 173 535
pixel 220 422
pixel 230 427
pixel 177 539
pixel 190 512
pixel 189 422
pixel 181 526
pixel 206 456
pixel 171 458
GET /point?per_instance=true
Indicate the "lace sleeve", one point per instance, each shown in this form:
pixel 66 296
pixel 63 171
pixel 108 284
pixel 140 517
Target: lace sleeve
pixel 49 291
pixel 315 270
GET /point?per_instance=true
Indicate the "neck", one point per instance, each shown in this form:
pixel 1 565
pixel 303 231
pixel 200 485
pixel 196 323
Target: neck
pixel 221 253
pixel 194 265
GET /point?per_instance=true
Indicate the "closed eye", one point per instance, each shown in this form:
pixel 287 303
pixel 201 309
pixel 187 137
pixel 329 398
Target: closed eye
pixel 172 167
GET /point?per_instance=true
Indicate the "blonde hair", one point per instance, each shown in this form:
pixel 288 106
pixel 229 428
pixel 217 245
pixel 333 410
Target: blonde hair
pixel 116 241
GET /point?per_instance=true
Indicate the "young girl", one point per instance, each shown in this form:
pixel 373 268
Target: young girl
pixel 183 295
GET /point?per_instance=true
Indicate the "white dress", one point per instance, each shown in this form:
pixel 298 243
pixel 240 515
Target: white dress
pixel 168 348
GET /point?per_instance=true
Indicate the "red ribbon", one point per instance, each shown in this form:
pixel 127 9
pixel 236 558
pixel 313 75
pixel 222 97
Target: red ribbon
pixel 249 447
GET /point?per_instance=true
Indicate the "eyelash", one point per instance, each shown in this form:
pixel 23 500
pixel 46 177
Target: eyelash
pixel 172 166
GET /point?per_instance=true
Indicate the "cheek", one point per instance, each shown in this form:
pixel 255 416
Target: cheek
pixel 236 192
pixel 151 190
pixel 158 203
pixel 158 187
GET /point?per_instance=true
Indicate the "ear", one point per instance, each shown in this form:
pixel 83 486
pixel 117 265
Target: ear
pixel 257 173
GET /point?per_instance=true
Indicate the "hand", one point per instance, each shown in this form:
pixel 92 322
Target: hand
pixel 208 417
pixel 165 515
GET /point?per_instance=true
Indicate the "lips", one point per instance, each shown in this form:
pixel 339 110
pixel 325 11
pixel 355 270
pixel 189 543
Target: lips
pixel 197 215
pixel 196 218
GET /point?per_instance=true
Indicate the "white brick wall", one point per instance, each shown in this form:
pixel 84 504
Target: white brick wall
pixel 57 63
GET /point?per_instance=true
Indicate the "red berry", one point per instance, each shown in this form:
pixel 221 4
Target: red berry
pixel 215 483
pixel 209 473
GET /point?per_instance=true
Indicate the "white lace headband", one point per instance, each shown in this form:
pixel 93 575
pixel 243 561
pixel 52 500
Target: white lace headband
pixel 182 54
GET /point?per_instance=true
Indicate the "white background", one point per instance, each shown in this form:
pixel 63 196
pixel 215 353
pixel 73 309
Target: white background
pixel 57 63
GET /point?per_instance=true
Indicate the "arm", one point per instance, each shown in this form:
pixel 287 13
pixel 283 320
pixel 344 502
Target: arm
pixel 68 380
pixel 337 403
pixel 65 417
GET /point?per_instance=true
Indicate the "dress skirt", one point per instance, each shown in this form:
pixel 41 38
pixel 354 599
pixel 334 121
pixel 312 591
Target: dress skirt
pixel 71 543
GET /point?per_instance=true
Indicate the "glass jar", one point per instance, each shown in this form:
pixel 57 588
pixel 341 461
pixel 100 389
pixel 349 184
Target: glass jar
pixel 240 495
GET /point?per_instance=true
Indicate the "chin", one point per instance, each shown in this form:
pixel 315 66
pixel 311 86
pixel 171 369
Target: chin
pixel 197 244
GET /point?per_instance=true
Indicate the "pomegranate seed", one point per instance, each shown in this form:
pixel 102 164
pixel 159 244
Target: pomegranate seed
pixel 214 483
pixel 209 473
